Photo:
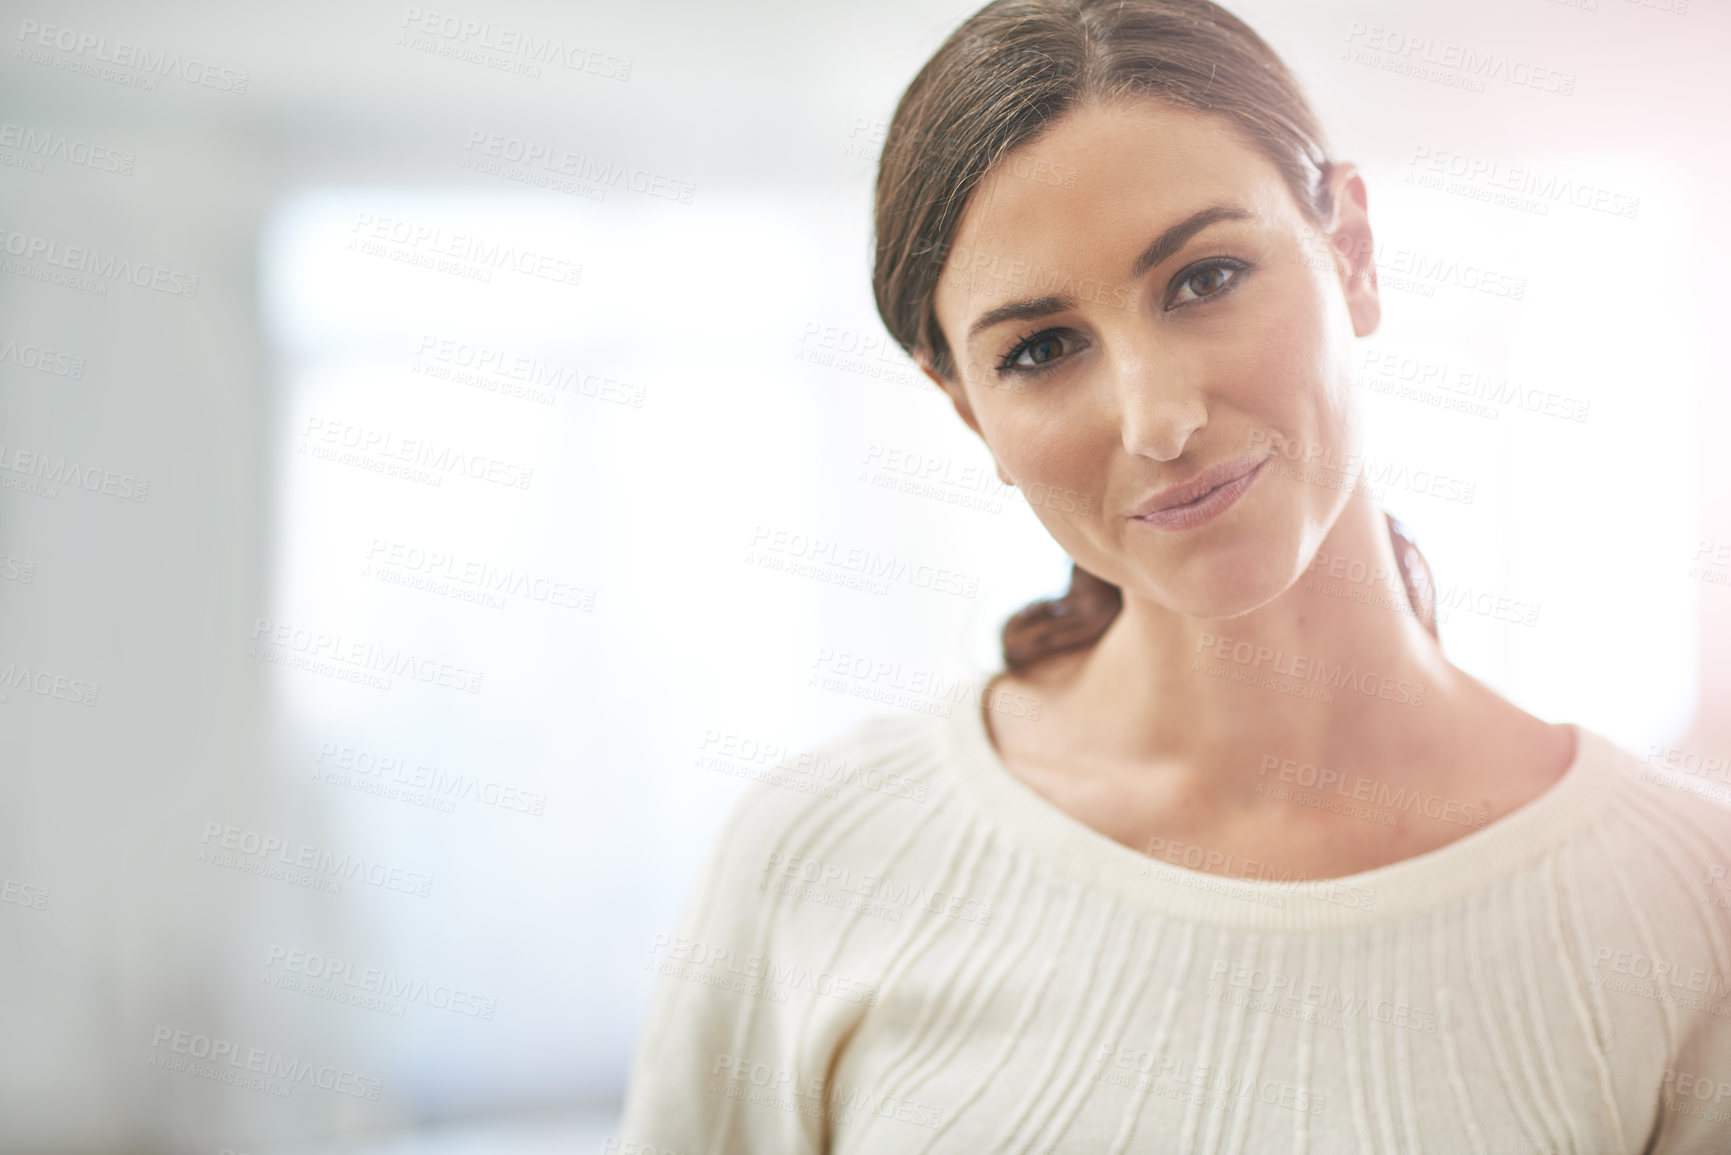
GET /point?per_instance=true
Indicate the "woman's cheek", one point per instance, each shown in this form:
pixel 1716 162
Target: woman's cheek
pixel 1047 448
pixel 1295 370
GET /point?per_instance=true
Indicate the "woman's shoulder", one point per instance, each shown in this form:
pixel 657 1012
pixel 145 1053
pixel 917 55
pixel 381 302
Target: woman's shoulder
pixel 1660 849
pixel 787 929
pixel 1667 791
pixel 841 845
pixel 879 775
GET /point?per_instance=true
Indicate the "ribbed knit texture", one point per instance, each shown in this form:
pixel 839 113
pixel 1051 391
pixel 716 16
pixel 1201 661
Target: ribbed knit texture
pixel 899 947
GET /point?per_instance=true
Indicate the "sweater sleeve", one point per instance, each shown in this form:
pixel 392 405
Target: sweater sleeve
pixel 1694 1116
pixel 716 1069
pixel 1695 1108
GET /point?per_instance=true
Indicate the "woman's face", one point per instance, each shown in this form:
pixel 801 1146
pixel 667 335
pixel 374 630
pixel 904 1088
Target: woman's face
pixel 1139 310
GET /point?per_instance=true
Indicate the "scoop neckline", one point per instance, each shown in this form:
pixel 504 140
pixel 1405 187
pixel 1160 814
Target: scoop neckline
pixel 1384 893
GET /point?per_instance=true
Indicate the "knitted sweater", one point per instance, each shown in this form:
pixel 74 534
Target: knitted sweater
pixel 897 946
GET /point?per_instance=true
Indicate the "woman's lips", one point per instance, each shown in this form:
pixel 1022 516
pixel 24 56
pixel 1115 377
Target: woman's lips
pixel 1204 508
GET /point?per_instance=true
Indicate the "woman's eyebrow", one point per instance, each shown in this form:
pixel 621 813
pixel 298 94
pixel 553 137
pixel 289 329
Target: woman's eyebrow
pixel 1173 239
pixel 1020 311
pixel 1158 250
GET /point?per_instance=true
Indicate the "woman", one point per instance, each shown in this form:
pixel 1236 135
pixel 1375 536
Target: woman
pixel 1227 858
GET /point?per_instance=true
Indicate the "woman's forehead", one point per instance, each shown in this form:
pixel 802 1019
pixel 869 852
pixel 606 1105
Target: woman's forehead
pixel 1090 194
pixel 1123 162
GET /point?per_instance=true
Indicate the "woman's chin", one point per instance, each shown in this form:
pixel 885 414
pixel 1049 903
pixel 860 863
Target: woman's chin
pixel 1216 608
pixel 1228 598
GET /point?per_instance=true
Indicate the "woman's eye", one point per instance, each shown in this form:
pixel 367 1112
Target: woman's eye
pixel 1034 353
pixel 1038 352
pixel 1203 282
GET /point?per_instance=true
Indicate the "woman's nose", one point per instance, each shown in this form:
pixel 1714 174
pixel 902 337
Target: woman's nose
pixel 1159 404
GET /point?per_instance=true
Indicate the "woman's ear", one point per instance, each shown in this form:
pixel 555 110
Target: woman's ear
pixel 1349 234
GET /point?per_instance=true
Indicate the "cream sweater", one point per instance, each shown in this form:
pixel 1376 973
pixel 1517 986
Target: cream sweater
pixel 899 947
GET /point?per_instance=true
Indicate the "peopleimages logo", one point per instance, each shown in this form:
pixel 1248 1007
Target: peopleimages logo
pixel 748 756
pixel 924 691
pixel 373 772
pixel 1448 62
pixel 36 680
pixel 56 471
pixel 24 894
pixel 761 1084
pixel 1470 384
pixel 1377 793
pixel 541 380
pixel 1325 466
pixel 338 980
pixel 480 580
pixel 81 259
pixel 471 255
pixel 1521 180
pixel 1306 668
pixel 469 36
pixel 346 442
pixel 261 853
pixel 40 145
pixel 760 976
pixel 790 547
pixel 1290 996
pixel 286 644
pixel 1174 1078
pixel 253 1061
pixel 794 868
pixel 42 360
pixel 1690 762
pixel 584 168
pixel 85 46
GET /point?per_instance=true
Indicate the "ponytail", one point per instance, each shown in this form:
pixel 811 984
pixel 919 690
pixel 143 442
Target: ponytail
pixel 1076 620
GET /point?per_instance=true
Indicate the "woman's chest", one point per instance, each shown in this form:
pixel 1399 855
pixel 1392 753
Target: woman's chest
pixel 1095 1038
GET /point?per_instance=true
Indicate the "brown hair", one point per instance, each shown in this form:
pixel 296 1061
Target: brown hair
pixel 999 81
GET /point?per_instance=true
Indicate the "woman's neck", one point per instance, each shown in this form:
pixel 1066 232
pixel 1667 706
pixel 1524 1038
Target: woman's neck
pixel 1335 668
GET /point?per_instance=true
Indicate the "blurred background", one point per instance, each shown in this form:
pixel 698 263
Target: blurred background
pixel 406 430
